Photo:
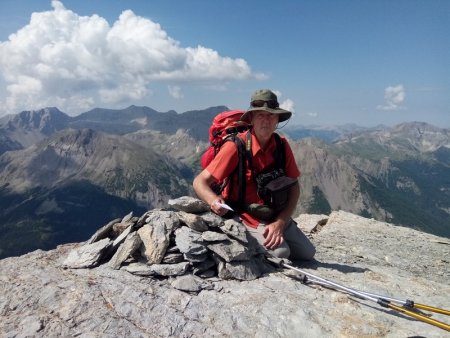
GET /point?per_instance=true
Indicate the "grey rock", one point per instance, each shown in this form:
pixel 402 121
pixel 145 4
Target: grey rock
pixel 172 249
pixel 139 269
pixel 88 255
pixel 311 223
pixel 104 232
pixel 155 235
pixel 194 222
pixel 189 241
pixel 190 283
pixel 172 258
pixel 197 258
pixel 177 269
pixel 212 236
pixel 189 204
pixel 213 220
pixel 120 227
pixel 129 246
pixel 122 236
pixel 205 265
pixel 206 274
pixel 242 270
pixel 235 229
pixel 127 217
pixel 169 219
pixel 230 250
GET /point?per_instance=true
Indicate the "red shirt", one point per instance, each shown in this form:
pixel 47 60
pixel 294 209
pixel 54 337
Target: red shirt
pixel 226 162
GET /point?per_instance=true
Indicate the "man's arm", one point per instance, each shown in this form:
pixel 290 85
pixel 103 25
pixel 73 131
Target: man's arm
pixel 202 186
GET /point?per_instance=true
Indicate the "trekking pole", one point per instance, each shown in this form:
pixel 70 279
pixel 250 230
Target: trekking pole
pixel 406 303
pixel 386 302
pixel 411 304
pixel 372 297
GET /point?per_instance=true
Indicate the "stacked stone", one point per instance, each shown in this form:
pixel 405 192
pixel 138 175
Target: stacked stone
pixel 185 238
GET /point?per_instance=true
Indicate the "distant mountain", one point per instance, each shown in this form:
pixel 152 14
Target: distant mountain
pixel 327 134
pixel 405 139
pixel 29 127
pixel 180 145
pixel 400 175
pixel 134 118
pixel 68 184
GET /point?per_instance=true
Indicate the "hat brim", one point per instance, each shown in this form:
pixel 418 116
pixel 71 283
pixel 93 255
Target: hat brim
pixel 283 114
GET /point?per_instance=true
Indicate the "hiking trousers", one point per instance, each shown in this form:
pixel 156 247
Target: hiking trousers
pixel 296 246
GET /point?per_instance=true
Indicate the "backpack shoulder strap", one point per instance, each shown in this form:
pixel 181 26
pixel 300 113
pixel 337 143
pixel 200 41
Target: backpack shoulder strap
pixel 242 166
pixel 279 155
pixel 239 171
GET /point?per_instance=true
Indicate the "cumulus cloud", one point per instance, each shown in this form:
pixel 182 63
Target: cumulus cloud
pixel 75 62
pixel 175 92
pixel 288 104
pixel 394 97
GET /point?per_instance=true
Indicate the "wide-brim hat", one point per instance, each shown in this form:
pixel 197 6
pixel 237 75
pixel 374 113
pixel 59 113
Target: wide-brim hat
pixel 270 105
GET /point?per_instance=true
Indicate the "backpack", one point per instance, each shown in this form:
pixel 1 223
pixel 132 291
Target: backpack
pixel 225 127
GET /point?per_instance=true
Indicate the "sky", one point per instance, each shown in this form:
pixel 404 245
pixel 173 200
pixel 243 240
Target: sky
pixel 330 62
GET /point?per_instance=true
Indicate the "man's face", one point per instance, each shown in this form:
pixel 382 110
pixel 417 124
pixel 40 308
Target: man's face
pixel 264 123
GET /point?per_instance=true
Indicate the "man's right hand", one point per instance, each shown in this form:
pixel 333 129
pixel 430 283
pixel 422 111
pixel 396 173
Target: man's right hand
pixel 216 208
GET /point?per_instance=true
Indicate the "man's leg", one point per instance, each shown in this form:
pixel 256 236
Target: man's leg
pixel 301 247
pixel 282 251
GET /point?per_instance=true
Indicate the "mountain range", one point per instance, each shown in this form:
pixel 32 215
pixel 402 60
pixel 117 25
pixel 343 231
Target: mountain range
pixel 63 176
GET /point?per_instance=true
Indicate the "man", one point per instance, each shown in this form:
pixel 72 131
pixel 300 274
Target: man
pixel 278 234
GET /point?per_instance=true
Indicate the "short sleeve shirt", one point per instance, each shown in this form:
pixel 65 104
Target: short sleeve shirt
pixel 226 161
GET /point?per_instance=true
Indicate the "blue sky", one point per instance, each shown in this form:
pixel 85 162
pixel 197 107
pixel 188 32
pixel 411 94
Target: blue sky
pixel 331 62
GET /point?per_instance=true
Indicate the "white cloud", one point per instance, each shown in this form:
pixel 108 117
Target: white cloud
pixel 61 58
pixel 288 104
pixel 175 92
pixel 394 97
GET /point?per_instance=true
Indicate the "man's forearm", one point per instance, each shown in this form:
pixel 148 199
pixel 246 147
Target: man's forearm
pixel 202 188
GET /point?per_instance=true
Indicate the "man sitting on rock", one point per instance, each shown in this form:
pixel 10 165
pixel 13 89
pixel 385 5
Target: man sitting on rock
pixel 270 223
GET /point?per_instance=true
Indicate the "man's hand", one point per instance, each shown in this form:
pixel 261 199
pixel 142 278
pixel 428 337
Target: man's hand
pixel 216 208
pixel 273 234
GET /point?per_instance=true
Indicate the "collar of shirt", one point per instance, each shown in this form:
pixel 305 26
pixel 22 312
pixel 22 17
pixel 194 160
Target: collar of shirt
pixel 256 147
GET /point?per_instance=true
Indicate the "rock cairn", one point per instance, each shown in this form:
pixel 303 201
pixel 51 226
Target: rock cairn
pixel 184 239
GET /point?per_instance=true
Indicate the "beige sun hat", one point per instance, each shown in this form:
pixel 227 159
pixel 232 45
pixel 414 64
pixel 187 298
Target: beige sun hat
pixel 266 100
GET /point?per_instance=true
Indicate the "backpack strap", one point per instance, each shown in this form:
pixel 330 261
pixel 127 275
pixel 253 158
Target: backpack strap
pixel 240 172
pixel 279 155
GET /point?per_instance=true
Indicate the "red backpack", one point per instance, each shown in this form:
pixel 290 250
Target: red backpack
pixel 223 128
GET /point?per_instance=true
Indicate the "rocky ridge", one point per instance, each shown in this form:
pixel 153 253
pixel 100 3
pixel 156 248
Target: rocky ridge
pixel 107 301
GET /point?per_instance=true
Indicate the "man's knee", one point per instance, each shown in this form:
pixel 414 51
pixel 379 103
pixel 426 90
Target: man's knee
pixel 281 252
pixel 310 253
pixel 305 253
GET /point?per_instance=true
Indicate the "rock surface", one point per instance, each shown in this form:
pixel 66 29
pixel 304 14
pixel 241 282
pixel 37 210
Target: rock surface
pixel 41 298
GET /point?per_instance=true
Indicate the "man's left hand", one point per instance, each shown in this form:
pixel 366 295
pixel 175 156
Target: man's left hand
pixel 273 234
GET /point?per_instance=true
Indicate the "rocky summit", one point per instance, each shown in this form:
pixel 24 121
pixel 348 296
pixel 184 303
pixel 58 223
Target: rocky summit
pixel 182 271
